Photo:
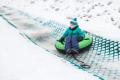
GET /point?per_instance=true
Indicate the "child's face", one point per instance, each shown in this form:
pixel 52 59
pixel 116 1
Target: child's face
pixel 72 26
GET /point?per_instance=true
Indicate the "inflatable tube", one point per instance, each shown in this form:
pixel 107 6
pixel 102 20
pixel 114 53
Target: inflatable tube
pixel 87 41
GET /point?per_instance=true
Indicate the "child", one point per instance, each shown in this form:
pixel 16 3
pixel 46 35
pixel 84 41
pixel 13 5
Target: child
pixel 72 36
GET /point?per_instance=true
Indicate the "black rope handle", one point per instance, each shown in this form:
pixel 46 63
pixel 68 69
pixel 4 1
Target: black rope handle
pixel 85 66
pixel 82 64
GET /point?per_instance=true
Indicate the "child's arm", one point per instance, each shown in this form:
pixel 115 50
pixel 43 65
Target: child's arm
pixel 64 35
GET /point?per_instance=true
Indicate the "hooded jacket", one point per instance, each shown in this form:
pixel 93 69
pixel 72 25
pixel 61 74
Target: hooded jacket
pixel 74 32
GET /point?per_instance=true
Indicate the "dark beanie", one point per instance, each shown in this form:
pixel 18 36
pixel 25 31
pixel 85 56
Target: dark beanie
pixel 74 21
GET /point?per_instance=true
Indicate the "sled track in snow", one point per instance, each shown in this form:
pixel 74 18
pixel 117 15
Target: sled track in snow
pixel 103 55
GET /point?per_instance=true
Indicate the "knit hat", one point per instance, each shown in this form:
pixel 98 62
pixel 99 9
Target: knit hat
pixel 74 21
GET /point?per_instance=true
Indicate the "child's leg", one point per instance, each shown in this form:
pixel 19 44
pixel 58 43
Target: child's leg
pixel 68 45
pixel 75 44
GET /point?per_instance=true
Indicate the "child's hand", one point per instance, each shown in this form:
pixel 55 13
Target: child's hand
pixel 60 41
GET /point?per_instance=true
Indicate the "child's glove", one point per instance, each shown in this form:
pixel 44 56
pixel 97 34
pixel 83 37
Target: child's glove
pixel 80 38
pixel 61 40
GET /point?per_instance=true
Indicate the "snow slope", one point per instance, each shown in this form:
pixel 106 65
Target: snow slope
pixel 97 16
pixel 100 17
pixel 22 60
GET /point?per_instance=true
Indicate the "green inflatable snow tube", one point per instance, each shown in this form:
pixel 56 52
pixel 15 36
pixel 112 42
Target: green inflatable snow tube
pixel 87 41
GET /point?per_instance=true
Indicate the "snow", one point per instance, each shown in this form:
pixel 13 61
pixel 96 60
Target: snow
pixel 20 59
pixel 28 61
pixel 100 17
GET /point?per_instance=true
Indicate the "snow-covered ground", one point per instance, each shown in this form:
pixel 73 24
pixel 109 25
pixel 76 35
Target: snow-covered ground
pixel 100 17
pixel 27 61
pixel 20 59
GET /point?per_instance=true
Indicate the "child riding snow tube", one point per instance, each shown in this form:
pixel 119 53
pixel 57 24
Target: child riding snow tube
pixel 87 41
